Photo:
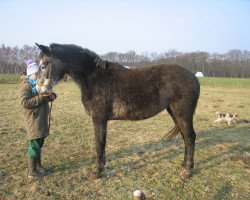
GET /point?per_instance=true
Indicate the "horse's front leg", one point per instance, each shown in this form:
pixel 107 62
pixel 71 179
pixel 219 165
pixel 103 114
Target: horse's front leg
pixel 100 128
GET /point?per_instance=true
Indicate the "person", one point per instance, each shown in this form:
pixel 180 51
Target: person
pixel 36 112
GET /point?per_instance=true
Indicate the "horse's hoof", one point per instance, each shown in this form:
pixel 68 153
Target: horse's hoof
pixel 185 174
pixel 183 165
pixel 97 173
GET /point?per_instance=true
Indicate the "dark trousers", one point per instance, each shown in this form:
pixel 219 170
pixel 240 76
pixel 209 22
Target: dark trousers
pixel 35 147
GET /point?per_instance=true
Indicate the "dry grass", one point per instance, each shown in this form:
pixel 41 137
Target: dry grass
pixel 136 157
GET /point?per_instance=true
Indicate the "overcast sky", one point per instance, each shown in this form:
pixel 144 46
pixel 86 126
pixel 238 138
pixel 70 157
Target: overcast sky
pixel 122 25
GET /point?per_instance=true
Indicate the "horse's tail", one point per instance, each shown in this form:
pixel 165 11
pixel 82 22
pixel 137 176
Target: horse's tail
pixel 173 133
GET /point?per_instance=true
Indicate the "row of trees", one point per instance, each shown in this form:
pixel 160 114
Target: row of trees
pixel 234 63
pixel 12 60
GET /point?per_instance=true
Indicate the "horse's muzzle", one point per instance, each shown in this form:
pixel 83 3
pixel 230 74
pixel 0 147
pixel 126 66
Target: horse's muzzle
pixel 44 88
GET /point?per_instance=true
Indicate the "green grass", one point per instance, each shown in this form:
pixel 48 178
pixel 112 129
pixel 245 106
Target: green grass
pixel 9 78
pixel 136 157
pixel 225 82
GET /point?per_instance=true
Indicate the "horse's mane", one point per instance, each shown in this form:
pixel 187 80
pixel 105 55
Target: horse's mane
pixel 75 51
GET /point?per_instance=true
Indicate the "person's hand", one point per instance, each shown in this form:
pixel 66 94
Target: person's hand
pixel 47 95
pixel 52 96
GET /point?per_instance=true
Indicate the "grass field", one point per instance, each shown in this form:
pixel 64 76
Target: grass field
pixel 136 158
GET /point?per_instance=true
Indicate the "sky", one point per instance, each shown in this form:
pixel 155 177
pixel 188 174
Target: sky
pixel 121 25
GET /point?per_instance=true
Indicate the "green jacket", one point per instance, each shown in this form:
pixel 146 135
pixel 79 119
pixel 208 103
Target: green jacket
pixel 36 111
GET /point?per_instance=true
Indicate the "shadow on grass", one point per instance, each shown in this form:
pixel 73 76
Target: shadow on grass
pixel 157 151
pixel 217 139
pixel 223 193
pixel 149 153
pixel 242 121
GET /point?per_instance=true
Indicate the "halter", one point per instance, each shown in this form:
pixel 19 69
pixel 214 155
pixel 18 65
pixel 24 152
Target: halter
pixel 47 82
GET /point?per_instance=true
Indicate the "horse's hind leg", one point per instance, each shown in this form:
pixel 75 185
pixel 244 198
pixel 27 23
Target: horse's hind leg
pixel 185 121
pixel 189 136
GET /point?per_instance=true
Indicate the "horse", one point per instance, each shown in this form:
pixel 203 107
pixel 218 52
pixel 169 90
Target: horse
pixel 109 91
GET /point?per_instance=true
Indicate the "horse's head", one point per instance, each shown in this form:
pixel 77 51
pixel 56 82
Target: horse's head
pixel 51 70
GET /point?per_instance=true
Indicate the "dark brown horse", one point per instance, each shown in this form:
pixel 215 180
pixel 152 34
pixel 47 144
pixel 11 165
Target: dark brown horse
pixel 113 92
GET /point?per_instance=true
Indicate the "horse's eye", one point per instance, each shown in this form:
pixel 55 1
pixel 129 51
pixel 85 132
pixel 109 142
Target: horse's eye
pixel 45 64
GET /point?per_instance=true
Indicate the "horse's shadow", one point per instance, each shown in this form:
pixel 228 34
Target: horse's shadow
pixel 158 151
pixel 148 153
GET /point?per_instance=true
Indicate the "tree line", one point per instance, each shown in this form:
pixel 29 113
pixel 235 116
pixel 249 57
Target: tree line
pixel 235 63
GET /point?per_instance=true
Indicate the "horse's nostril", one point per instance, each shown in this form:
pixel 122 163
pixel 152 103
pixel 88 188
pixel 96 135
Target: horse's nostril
pixel 46 82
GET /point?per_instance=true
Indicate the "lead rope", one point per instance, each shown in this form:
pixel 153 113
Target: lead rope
pixel 51 101
pixel 50 115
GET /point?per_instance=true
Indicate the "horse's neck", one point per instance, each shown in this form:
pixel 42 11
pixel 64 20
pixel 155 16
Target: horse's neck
pixel 79 72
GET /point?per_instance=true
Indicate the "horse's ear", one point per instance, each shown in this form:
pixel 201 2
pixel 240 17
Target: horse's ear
pixel 44 49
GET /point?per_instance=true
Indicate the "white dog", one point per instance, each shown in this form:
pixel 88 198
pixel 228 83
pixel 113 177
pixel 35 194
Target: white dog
pixel 229 118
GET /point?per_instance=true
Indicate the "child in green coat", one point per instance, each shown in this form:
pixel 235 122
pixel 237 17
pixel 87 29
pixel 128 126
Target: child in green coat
pixel 36 111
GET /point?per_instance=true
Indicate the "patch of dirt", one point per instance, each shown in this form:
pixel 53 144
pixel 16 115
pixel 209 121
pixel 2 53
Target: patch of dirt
pixel 222 147
pixel 244 159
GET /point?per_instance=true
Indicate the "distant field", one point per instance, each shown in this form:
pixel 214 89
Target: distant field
pixel 9 78
pixel 136 158
pixel 225 82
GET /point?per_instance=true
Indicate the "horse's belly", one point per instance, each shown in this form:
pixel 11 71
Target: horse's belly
pixel 124 111
pixel 139 115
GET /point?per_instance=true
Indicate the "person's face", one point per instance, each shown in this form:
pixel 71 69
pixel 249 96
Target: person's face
pixel 34 76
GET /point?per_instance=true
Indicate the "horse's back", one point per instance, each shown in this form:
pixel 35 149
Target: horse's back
pixel 171 78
